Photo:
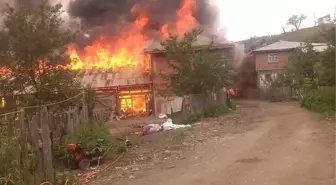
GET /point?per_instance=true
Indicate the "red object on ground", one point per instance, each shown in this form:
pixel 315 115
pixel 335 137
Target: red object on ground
pixel 72 147
pixel 138 132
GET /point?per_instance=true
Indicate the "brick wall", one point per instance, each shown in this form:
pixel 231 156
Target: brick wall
pixel 159 65
pixel 261 60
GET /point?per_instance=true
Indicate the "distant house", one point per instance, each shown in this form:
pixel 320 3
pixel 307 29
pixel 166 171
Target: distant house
pixel 271 59
pixel 324 20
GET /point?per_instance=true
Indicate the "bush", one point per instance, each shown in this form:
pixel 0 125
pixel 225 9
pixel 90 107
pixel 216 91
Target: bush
pixel 213 111
pixel 321 100
pixel 217 110
pixel 87 137
pixel 192 118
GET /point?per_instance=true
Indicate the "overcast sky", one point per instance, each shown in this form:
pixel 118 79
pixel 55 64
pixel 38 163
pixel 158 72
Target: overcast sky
pixel 246 18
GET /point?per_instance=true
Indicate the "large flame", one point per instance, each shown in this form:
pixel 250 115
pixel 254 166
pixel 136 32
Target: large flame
pixel 114 52
pixel 126 49
pixel 185 20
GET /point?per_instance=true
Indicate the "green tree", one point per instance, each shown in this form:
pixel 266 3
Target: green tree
pixel 296 21
pixel 301 67
pixel 195 71
pixel 33 47
pixel 326 67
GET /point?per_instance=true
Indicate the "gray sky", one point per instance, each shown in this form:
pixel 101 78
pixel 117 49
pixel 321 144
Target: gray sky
pixel 245 18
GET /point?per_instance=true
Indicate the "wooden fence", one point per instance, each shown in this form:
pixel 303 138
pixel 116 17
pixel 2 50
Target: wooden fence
pixel 272 93
pixel 38 134
pixel 197 103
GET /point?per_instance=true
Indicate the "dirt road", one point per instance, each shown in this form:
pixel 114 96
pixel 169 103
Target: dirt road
pixel 274 144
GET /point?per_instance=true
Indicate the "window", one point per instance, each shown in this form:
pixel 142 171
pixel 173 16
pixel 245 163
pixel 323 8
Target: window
pixel 273 58
pixel 268 77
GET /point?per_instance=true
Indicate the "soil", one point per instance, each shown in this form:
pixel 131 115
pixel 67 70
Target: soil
pixel 261 143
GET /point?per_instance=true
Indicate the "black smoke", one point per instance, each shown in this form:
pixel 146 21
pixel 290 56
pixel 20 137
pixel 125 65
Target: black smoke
pixel 103 12
pixel 26 2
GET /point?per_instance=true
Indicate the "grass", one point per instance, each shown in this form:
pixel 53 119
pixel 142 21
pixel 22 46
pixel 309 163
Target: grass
pixel 87 137
pixel 177 136
pixel 212 111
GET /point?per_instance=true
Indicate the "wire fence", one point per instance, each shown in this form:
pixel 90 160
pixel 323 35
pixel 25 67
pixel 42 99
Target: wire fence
pixel 45 105
pixel 39 133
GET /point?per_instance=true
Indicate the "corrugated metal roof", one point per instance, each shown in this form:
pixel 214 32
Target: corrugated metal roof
pixel 201 41
pixel 101 78
pixel 286 45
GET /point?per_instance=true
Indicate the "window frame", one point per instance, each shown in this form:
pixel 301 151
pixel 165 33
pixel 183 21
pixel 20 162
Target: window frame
pixel 268 77
pixel 272 58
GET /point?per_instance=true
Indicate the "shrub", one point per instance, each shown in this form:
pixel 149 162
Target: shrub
pixel 87 137
pixel 217 110
pixel 321 100
pixel 212 111
pixel 192 118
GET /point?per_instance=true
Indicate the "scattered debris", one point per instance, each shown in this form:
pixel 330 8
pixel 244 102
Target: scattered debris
pixel 128 142
pixel 168 125
pixel 162 116
pixel 151 128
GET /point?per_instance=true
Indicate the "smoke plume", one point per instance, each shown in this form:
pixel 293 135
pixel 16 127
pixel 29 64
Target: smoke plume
pixel 99 13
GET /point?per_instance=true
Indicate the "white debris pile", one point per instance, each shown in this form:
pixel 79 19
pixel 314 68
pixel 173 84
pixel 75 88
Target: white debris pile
pixel 151 128
pixel 167 125
pixel 161 116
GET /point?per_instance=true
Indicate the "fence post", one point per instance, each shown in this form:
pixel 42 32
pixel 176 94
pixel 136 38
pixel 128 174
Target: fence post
pixel 85 110
pixel 34 134
pixel 70 126
pixel 46 145
pixel 23 144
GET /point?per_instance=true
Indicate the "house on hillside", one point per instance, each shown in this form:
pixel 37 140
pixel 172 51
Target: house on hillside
pixel 271 59
pixel 132 91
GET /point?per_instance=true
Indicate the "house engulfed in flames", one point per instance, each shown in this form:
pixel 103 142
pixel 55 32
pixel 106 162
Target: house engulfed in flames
pixel 123 68
pixel 131 88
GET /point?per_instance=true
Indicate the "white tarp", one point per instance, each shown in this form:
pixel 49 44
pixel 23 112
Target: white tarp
pixel 168 125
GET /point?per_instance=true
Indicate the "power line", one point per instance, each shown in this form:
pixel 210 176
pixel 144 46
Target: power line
pixel 36 106
pixel 10 113
pixel 55 103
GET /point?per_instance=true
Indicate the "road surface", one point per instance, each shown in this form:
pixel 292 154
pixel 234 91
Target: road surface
pixel 283 145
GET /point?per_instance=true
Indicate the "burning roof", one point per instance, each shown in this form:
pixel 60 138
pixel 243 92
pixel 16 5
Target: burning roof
pixel 202 41
pixel 135 25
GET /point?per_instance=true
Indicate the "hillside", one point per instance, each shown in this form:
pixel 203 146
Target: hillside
pixel 311 34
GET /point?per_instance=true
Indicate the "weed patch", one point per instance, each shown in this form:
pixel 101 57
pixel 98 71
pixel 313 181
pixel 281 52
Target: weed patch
pixel 212 111
pixel 87 137
pixel 320 100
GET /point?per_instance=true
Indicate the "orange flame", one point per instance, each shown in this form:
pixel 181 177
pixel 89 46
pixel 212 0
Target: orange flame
pixel 112 53
pixel 126 49
pixel 132 105
pixel 185 20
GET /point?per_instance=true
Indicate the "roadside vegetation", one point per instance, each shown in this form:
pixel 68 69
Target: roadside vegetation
pixel 198 72
pixel 33 52
pixel 312 73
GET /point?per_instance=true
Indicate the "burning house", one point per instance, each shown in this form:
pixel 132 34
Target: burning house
pixel 122 66
pixel 121 57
